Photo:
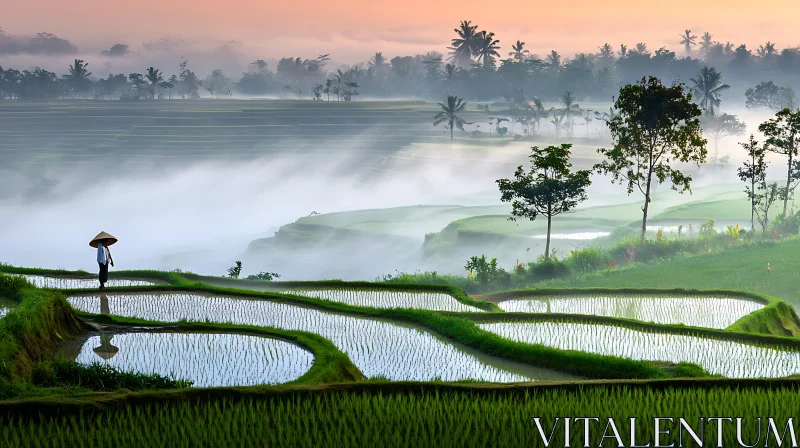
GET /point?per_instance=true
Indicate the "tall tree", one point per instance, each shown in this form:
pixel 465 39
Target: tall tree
pixel 720 126
pixel 189 83
pixel 688 41
pixel 707 87
pixel 519 52
pixel 754 171
pixel 783 137
pixel 155 78
pixel 570 110
pixel 654 126
pixel 463 47
pixel 767 94
pixel 78 77
pixel 641 48
pixel 486 48
pixel 448 115
pixel 706 42
pixel 549 188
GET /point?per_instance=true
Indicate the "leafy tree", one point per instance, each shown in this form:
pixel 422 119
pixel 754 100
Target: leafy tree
pixel 189 83
pixel 783 137
pixel 641 48
pixel 688 41
pixel 464 48
pixel 448 114
pixel 754 171
pixel 78 77
pixel 265 276
pixel 655 125
pixel 707 86
pixel 721 126
pixel 767 94
pixel 549 188
pixel 261 65
pixel 766 196
pixel 519 52
pixel 155 77
pixel 317 92
pixel 217 82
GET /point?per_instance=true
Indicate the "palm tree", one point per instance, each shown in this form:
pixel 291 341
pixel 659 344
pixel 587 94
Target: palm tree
pixel 553 60
pixel 641 48
pixel 463 47
pixel 687 40
pixel 623 51
pixel 486 46
pixel 78 76
pixel 728 49
pixel 448 114
pixel 706 42
pixel 606 53
pixel 766 50
pixel 377 61
pixel 450 75
pixel 519 53
pixel 707 86
pixel 261 65
pixel 570 109
pixel 155 77
pixel 339 77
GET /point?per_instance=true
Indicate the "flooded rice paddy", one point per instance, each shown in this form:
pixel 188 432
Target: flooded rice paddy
pixel 41 281
pixel 727 358
pixel 208 359
pixel 710 312
pixel 376 347
pixel 388 299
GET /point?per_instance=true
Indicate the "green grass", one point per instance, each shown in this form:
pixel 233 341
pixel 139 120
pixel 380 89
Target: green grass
pixel 382 414
pixel 740 269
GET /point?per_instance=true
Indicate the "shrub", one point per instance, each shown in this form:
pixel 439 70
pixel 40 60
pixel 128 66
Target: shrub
pixel 265 276
pixel 10 285
pixel 787 225
pixel 590 259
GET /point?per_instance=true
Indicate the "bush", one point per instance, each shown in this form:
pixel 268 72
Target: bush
pixel 10 285
pixel 787 225
pixel 591 259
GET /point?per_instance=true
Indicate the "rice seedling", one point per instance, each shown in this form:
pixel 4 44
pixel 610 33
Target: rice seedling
pixel 728 358
pixel 388 299
pixel 41 281
pixel 447 418
pixel 376 347
pixel 207 359
pixel 710 312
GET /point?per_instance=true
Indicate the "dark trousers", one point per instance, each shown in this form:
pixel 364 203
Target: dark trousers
pixel 103 272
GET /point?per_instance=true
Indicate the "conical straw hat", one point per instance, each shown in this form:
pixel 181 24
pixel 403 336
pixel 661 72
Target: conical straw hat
pixel 102 236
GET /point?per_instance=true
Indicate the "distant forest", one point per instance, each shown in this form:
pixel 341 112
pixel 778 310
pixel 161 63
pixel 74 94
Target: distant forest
pixel 474 69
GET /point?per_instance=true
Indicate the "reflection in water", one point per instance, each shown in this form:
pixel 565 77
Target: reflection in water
pixel 104 309
pixel 105 350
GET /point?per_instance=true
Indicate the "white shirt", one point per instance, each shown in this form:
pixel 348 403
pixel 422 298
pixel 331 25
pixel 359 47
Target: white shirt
pixel 102 254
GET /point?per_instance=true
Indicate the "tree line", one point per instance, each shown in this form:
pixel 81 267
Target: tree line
pixel 474 68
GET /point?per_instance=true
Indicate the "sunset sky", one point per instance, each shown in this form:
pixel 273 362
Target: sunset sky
pixel 352 31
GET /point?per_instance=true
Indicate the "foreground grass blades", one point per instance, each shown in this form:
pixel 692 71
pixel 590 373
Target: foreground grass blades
pixel 395 414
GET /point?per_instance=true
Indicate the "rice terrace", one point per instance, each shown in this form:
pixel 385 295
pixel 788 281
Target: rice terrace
pixel 375 229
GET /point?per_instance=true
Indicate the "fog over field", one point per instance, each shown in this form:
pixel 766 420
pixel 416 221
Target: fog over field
pixel 202 215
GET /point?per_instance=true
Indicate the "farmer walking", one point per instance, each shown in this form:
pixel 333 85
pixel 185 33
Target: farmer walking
pixel 101 242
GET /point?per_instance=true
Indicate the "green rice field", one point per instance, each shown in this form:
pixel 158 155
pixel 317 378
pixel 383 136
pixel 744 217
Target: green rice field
pixel 41 281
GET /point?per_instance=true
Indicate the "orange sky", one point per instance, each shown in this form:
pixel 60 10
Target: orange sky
pixel 352 30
